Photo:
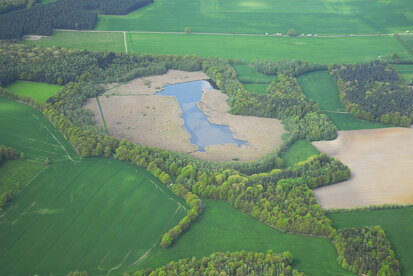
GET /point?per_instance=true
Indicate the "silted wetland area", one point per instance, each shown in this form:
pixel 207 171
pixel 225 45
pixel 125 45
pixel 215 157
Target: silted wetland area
pixel 135 111
pixel 381 163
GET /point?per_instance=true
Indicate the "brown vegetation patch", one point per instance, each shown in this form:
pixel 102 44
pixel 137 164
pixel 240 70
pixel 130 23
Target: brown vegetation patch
pixel 133 112
pixel 381 162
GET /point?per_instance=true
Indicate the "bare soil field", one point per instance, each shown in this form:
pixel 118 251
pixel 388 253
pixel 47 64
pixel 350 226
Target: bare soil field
pixel 133 112
pixel 381 163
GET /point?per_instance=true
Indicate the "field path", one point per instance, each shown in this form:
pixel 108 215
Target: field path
pixel 126 44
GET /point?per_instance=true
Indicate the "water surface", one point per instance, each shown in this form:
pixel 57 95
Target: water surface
pixel 202 132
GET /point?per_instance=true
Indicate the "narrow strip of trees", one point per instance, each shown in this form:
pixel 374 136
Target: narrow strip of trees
pixel 292 67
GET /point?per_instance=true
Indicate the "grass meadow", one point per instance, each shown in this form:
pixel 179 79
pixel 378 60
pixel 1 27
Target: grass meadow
pixel 252 80
pixel 405 71
pixel 261 16
pixel 320 87
pixel 92 214
pixel 223 228
pixel 37 90
pixel 299 151
pixel 14 172
pixel 317 50
pixel 397 223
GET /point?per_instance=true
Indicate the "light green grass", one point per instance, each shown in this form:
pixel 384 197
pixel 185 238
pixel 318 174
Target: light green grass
pixel 26 129
pixel 320 87
pixel 408 39
pixel 37 90
pixel 19 172
pixel 405 71
pixel 317 50
pixel 397 223
pixel 247 74
pixel 83 40
pixel 94 214
pixel 257 88
pixel 223 228
pixel 261 16
pixel 299 151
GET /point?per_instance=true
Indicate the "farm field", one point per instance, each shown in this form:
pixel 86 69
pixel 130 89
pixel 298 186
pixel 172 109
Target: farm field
pixel 218 16
pixel 299 151
pixel 317 50
pixel 19 172
pixel 257 88
pixel 92 215
pixel 223 228
pixel 37 90
pixel 397 223
pixel 380 161
pixel 247 74
pixel 320 87
pixel 405 71
pixel 83 40
pixel 26 129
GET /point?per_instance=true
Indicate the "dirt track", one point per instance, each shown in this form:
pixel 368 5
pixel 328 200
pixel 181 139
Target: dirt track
pixel 381 161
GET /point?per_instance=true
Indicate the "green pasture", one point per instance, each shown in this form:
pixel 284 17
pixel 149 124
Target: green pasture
pixel 247 74
pixel 26 129
pixel 223 228
pixel 397 223
pixel 408 39
pixel 405 71
pixel 299 151
pixel 83 40
pixel 257 88
pixel 19 172
pixel 314 49
pixel 320 87
pixel 95 214
pixel 261 16
pixel 37 90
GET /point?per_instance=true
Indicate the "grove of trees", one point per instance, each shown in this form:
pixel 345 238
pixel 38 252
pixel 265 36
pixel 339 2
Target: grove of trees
pixel 374 91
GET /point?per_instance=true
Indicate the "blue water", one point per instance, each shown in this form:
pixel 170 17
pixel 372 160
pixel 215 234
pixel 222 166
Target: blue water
pixel 202 132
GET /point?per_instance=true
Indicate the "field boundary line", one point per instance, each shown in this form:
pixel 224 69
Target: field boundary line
pixel 168 195
pixel 126 44
pixel 338 112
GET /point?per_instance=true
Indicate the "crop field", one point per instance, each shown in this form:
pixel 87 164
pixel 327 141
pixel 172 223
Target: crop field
pixel 405 71
pixel 83 40
pixel 397 223
pixel 219 16
pixel 299 151
pixel 17 171
pixel 322 50
pixel 381 164
pixel 223 228
pixel 320 87
pixel 37 90
pixel 97 214
pixel 26 129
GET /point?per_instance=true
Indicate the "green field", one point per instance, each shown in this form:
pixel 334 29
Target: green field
pixel 257 88
pixel 83 40
pixel 247 74
pixel 408 39
pixel 261 16
pixel 299 151
pixel 13 172
pixel 320 87
pixel 27 130
pixel 37 90
pixel 317 50
pixel 223 228
pixel 405 71
pixel 397 223
pixel 93 214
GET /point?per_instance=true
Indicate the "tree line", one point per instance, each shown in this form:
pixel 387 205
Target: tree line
pixel 374 91
pixel 11 5
pixel 228 263
pixel 366 251
pixel 62 14
pixel 292 67
pixel 8 153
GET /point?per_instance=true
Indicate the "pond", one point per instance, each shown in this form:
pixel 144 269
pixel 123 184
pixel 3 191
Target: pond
pixel 202 132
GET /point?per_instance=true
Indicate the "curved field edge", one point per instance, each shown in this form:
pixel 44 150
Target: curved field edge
pixel 37 90
pixel 397 223
pixel 223 228
pixel 97 214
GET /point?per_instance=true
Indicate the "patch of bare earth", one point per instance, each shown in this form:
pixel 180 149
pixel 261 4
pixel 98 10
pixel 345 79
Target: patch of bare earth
pixel 381 163
pixel 133 112
pixel 33 37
